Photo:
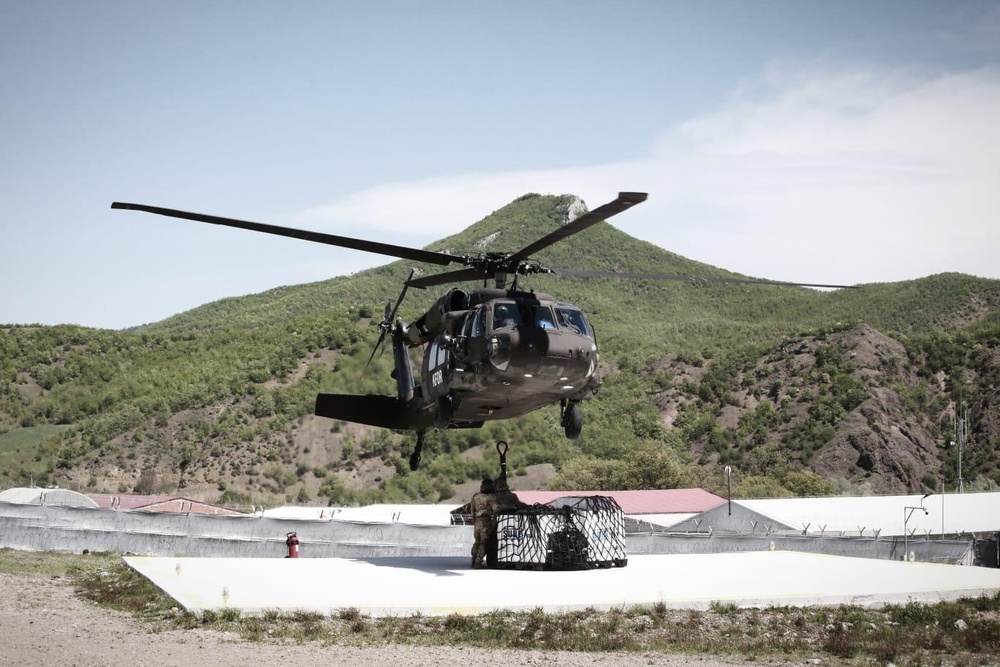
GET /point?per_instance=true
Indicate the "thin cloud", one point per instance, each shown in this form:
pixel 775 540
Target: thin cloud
pixel 881 177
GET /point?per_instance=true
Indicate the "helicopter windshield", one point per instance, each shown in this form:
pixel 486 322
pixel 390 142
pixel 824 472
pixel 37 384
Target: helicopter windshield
pixel 573 320
pixel 512 315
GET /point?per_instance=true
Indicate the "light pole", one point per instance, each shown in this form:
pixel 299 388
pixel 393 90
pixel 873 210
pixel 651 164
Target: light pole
pixel 729 488
pixel 906 519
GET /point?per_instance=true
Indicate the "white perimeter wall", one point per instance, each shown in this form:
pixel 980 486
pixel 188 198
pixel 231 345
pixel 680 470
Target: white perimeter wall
pixel 71 529
pixel 48 528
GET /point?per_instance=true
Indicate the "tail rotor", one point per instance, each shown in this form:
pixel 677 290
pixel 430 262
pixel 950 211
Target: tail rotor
pixel 388 319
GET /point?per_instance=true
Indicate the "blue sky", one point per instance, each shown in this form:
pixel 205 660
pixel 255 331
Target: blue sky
pixel 844 142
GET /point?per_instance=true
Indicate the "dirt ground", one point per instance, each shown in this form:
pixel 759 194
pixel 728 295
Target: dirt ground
pixel 43 623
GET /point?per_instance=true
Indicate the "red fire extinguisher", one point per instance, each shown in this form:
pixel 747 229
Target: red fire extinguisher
pixel 293 545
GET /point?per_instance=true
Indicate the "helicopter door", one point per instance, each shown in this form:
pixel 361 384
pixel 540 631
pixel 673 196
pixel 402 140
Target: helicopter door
pixel 437 369
pixel 555 345
pixel 475 342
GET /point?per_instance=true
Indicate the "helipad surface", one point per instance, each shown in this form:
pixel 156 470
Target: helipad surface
pixel 438 586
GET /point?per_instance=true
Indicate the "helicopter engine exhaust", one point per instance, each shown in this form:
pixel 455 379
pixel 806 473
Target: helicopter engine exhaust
pixel 427 326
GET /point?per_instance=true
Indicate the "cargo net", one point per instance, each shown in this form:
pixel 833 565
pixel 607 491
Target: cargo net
pixel 568 534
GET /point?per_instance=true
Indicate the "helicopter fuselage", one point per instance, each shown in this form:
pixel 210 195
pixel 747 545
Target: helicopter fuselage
pixel 507 354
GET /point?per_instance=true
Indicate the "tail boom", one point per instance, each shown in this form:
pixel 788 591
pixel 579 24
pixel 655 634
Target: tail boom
pixel 374 410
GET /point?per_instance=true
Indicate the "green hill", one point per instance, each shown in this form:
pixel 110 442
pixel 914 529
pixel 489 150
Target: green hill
pixel 800 391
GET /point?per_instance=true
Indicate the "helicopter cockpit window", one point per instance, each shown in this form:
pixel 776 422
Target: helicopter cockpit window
pixel 543 318
pixel 506 316
pixel 574 321
pixel 465 326
pixel 479 323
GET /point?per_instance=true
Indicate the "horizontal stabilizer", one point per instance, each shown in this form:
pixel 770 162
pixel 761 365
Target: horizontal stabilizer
pixel 375 410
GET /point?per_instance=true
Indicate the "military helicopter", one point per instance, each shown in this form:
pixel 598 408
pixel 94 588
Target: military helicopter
pixel 488 354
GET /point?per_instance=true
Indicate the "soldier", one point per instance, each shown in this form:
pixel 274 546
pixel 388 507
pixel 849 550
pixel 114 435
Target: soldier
pixel 505 498
pixel 483 509
pixel 506 501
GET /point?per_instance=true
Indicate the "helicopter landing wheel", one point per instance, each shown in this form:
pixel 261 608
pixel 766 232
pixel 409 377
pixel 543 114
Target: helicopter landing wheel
pixel 572 421
pixel 415 456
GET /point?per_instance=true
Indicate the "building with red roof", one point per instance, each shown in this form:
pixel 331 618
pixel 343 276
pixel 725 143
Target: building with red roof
pixel 644 509
pixel 157 503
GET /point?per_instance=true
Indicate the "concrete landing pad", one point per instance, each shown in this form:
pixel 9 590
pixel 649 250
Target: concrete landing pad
pixel 440 586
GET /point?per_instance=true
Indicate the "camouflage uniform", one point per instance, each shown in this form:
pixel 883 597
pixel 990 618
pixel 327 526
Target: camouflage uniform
pixel 484 509
pixel 504 501
pixel 505 498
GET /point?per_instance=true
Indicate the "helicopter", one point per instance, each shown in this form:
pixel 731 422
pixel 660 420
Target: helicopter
pixel 488 354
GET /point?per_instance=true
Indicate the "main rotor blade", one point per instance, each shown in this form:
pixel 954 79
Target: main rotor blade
pixel 447 277
pixel 317 237
pixel 402 295
pixel 625 201
pixel 689 279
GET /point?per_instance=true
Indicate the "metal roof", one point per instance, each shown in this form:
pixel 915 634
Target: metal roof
pixel 653 501
pixel 663 520
pixel 416 515
pixel 188 506
pixel 128 501
pixel 157 502
pixel 37 496
pixel 413 514
pixel 299 513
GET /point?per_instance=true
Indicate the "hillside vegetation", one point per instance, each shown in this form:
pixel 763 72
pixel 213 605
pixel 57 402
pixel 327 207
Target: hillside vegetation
pixel 799 391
